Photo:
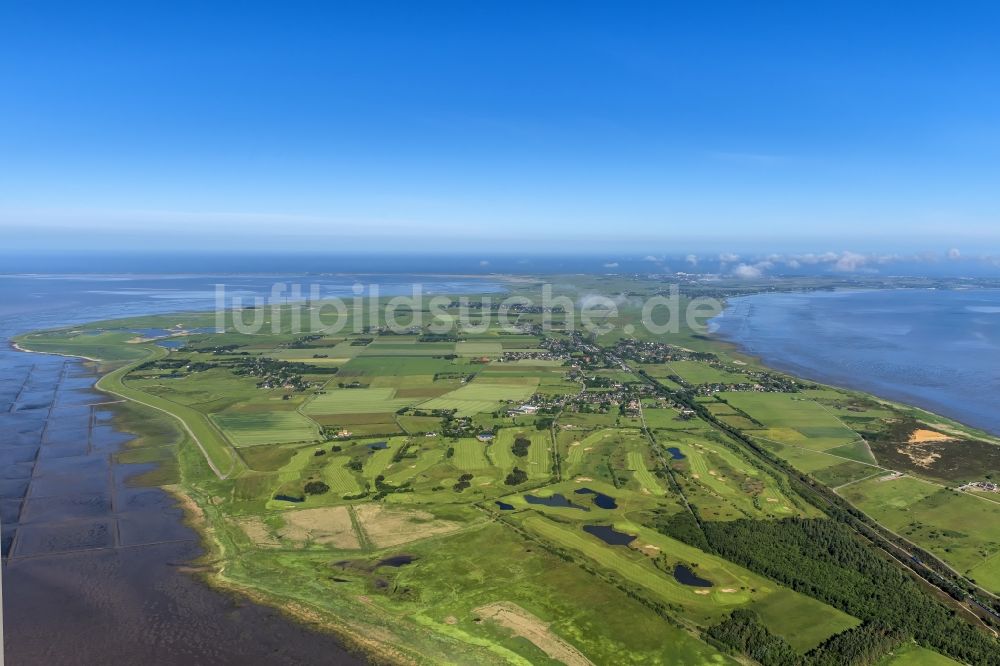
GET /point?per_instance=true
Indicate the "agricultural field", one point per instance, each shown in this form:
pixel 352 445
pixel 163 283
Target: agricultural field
pixel 277 427
pixel 788 418
pixel 696 372
pixel 962 529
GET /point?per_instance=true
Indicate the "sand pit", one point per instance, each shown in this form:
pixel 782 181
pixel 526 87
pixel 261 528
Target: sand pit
pixel 702 592
pixel 524 624
pixel 387 527
pixel 326 525
pixel 728 590
pixel 582 479
pixel 922 436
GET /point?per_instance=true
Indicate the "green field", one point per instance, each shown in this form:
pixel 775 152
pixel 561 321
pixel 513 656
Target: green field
pixel 356 401
pixel 266 428
pixel 649 483
pixel 962 529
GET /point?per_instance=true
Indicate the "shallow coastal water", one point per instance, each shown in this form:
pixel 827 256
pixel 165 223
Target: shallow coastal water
pixel 94 568
pixel 937 349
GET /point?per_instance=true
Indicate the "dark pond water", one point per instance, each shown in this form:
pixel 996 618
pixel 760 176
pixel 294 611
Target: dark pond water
pixel 378 446
pixel 609 535
pixel 684 575
pixel 504 506
pixel 600 499
pixel 557 500
pixel 675 453
pixel 289 498
pixel 94 565
pixel 396 561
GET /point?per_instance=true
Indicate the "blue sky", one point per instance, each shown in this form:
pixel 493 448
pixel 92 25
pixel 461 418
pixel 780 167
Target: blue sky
pixel 659 127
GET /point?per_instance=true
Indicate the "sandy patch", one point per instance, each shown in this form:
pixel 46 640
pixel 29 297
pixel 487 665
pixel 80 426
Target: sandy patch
pixel 702 592
pixel 257 531
pixel 771 499
pixel 695 476
pixel 329 525
pixel 451 619
pixel 387 527
pixel 582 479
pixel 891 477
pixel 915 451
pixel 920 436
pixel 575 444
pixel 728 590
pixel 651 547
pixel 712 472
pixel 526 625
pixel 588 448
pixel 920 459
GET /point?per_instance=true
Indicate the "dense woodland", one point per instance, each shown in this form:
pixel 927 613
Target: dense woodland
pixel 825 560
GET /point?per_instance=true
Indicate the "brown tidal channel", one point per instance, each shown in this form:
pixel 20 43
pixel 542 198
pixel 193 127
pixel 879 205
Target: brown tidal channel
pixel 94 567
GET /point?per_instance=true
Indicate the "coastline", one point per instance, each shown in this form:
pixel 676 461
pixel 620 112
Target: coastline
pixel 904 395
pixel 19 348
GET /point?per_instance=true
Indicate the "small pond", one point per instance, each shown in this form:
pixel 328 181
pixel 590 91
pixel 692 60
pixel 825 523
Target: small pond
pixel 504 506
pixel 685 576
pixel 557 500
pixel 609 535
pixel 600 499
pixel 396 561
pixel 675 453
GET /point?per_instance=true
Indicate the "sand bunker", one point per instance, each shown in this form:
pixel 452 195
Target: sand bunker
pixel 330 525
pixel 387 527
pixel 526 625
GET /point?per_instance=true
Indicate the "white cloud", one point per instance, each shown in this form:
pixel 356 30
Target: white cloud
pixel 954 253
pixel 850 262
pixel 747 272
pixel 650 257
pixel 692 259
pixel 611 264
pixel 484 263
pixel 728 257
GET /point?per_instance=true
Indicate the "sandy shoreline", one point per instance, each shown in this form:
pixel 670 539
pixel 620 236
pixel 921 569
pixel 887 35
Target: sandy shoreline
pixel 32 351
